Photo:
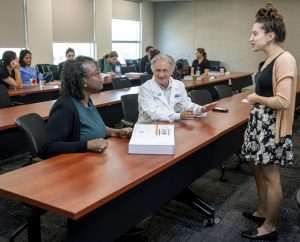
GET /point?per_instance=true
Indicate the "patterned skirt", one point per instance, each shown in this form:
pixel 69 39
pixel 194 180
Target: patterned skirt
pixel 259 144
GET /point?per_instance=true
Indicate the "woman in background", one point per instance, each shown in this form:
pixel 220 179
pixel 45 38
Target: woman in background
pixel 27 72
pixel 268 138
pixel 200 65
pixel 10 70
pixel 108 63
pixel 70 55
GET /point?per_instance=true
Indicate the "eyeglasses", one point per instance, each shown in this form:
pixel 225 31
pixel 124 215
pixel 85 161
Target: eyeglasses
pixel 97 72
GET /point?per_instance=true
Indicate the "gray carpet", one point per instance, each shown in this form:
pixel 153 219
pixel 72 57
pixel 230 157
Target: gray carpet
pixel 177 222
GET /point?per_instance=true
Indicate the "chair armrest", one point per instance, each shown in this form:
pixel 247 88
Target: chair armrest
pixel 127 123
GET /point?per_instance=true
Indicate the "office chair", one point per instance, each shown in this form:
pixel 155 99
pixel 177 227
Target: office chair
pixel 5 101
pixel 130 109
pixel 129 62
pixel 298 198
pixel 200 97
pixel 126 69
pixel 214 65
pixel 33 127
pixel 121 82
pixel 4 98
pixel 144 78
pixel 223 91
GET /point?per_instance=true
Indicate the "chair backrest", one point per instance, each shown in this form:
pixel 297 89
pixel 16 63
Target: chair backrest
pixel 126 69
pixel 239 83
pixel 130 107
pixel 34 127
pixel 144 78
pixel 223 91
pixel 121 82
pixel 45 69
pixel 129 62
pixel 214 65
pixel 201 97
pixel 4 97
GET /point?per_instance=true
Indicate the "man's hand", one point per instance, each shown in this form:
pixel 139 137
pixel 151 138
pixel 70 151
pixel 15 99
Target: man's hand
pixel 208 107
pixel 187 114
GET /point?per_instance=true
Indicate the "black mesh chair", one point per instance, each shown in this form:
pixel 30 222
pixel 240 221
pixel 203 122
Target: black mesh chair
pixel 126 69
pixel 121 82
pixel 223 91
pixel 298 198
pixel 129 62
pixel 45 69
pixel 200 97
pixel 130 109
pixel 5 101
pixel 144 78
pixel 237 84
pixel 33 127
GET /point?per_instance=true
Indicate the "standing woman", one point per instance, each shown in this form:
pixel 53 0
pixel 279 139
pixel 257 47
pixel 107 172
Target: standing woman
pixel 200 63
pixel 27 72
pixel 268 138
pixel 10 70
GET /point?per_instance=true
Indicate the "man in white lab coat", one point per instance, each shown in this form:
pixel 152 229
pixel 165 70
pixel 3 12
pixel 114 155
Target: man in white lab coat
pixel 164 98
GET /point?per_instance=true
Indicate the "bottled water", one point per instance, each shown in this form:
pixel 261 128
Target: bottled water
pixel 41 76
pixel 198 71
pixel 118 71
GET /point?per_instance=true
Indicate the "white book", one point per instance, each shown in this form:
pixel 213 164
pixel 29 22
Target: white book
pixel 133 74
pixel 152 139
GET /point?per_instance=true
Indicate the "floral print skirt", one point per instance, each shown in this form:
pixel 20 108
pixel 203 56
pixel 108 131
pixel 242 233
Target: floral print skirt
pixel 259 144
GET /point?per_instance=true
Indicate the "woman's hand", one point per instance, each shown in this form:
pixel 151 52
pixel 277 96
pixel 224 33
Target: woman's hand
pixel 125 133
pixel 252 98
pixel 208 107
pixel 97 145
pixel 15 64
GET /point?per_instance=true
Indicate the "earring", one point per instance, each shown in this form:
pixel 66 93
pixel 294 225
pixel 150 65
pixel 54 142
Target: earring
pixel 84 83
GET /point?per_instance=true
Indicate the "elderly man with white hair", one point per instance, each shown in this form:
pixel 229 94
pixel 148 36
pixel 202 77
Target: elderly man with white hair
pixel 163 98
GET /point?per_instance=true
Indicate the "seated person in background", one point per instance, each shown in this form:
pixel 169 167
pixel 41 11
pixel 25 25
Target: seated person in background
pixel 70 55
pixel 74 123
pixel 164 98
pixel 10 70
pixel 27 72
pixel 108 63
pixel 153 53
pixel 200 63
pixel 146 59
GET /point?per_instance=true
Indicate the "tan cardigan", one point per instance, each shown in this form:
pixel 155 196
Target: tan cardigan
pixel 284 94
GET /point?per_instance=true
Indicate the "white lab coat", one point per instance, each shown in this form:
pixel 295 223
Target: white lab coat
pixel 154 106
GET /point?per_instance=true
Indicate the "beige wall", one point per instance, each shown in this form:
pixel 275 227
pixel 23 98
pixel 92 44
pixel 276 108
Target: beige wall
pixel 147 9
pixel 222 27
pixel 40 30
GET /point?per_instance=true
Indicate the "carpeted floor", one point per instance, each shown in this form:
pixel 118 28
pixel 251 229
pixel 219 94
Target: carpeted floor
pixel 177 222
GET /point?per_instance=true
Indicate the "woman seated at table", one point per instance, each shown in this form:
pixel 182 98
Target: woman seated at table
pixel 153 53
pixel 74 123
pixel 108 63
pixel 27 72
pixel 10 70
pixel 200 65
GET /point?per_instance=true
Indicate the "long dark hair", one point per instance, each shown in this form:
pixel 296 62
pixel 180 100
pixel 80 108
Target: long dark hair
pixel 73 77
pixel 272 21
pixel 23 53
pixel 7 57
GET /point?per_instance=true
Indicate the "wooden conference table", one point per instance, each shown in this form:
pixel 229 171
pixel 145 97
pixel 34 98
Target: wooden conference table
pixel 33 94
pixel 103 195
pixel 108 104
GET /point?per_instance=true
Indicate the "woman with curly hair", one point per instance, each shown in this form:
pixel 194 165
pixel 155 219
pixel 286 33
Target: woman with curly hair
pixel 268 138
pixel 74 123
pixel 10 70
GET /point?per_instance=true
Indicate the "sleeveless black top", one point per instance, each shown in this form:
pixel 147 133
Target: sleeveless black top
pixel 263 80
